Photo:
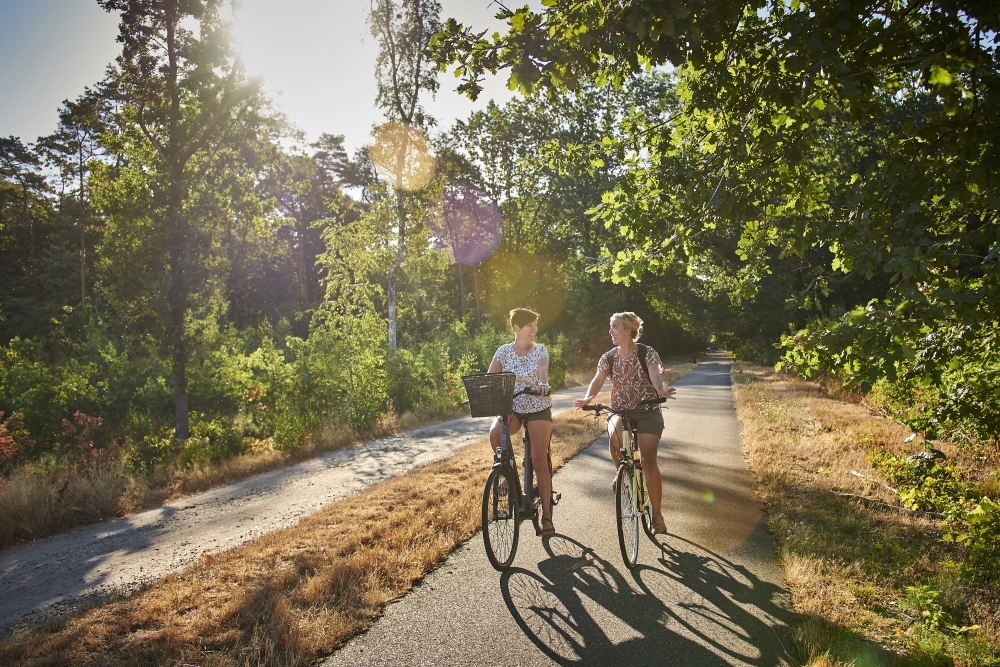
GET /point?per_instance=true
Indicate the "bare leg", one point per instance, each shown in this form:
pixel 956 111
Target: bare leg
pixel 496 432
pixel 648 444
pixel 540 432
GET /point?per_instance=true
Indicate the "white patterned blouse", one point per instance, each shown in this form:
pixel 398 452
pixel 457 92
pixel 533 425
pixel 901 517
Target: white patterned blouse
pixel 526 369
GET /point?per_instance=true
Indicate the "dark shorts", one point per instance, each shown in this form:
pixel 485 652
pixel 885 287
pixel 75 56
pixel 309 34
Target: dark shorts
pixel 544 415
pixel 647 421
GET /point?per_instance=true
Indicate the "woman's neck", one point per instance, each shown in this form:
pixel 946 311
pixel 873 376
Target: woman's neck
pixel 627 348
pixel 522 345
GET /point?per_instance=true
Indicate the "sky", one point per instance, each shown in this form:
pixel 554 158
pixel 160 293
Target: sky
pixel 316 56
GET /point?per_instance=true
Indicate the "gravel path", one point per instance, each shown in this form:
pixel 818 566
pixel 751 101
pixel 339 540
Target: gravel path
pixel 708 593
pixel 53 577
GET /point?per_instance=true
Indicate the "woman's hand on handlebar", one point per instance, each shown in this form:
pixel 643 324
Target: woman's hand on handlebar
pixel 583 402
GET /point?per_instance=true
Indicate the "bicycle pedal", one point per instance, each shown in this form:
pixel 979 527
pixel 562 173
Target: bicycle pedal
pixel 556 497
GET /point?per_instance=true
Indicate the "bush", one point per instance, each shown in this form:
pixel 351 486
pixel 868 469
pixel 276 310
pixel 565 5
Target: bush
pixel 210 442
pixel 926 481
pixel 977 526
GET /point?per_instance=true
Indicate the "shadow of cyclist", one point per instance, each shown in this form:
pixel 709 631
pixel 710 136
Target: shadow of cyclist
pixel 694 608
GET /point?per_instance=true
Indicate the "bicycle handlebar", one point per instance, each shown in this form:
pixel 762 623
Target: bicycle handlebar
pixel 598 408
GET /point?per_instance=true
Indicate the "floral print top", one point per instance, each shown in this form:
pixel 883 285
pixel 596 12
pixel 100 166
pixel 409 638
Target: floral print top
pixel 526 369
pixel 629 385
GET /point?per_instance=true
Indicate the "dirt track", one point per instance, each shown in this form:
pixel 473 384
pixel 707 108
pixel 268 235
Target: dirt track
pixel 50 578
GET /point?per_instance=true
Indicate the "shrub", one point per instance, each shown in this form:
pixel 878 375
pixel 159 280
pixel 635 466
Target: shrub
pixel 977 526
pixel 13 439
pixel 211 441
pixel 926 481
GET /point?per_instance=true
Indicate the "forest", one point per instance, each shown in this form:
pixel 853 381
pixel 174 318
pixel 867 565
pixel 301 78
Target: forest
pixel 812 185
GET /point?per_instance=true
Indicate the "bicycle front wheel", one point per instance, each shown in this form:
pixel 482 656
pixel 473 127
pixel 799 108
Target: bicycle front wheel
pixel 500 520
pixel 628 517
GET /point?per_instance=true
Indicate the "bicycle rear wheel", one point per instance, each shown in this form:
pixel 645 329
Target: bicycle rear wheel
pixel 628 517
pixel 500 520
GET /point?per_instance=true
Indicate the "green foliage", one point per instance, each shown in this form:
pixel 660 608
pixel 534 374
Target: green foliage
pixel 45 393
pixel 976 524
pixel 211 441
pixel 926 481
pixel 929 482
pixel 815 151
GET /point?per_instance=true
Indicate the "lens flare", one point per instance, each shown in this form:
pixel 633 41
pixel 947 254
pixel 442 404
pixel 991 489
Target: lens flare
pixel 403 156
pixel 468 224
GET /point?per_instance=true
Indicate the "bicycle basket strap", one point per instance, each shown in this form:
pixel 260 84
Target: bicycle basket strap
pixel 490 394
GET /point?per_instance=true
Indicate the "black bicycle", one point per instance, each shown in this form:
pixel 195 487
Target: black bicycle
pixel 504 503
pixel 631 494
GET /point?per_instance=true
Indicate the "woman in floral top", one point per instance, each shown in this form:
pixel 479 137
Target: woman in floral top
pixel 529 361
pixel 630 385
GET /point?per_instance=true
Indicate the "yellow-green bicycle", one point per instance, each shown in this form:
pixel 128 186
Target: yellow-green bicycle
pixel 631 495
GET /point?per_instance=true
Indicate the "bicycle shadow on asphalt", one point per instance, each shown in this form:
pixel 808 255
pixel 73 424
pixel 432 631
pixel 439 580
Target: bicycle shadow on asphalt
pixel 693 608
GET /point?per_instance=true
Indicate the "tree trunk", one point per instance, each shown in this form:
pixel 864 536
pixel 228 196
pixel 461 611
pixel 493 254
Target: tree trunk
pixel 81 220
pixel 461 287
pixel 177 305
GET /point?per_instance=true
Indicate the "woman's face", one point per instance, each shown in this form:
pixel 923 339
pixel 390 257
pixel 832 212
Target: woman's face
pixel 619 334
pixel 527 332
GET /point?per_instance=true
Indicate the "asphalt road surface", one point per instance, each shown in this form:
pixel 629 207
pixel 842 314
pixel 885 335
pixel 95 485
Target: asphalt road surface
pixel 53 577
pixel 708 593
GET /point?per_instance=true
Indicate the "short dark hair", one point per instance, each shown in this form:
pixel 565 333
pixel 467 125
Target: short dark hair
pixel 520 317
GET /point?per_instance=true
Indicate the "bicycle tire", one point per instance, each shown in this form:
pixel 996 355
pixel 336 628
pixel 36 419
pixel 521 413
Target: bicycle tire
pixel 501 524
pixel 628 517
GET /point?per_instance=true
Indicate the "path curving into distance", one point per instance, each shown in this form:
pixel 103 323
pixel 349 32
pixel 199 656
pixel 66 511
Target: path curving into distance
pixel 708 593
pixel 53 577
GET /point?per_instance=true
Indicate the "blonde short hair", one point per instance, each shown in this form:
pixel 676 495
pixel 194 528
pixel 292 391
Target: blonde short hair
pixel 630 321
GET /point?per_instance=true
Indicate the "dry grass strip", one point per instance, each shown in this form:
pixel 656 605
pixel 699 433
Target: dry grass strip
pixel 298 593
pixel 846 563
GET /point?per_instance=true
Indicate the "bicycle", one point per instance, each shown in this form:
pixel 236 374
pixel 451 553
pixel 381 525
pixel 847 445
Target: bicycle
pixel 505 505
pixel 631 493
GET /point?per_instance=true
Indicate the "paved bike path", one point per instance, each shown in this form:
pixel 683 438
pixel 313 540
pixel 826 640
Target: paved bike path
pixel 709 593
pixel 52 577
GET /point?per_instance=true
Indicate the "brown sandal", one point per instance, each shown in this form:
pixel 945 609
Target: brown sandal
pixel 546 532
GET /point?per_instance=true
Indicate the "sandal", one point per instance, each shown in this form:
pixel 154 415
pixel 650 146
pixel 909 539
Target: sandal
pixel 659 527
pixel 546 532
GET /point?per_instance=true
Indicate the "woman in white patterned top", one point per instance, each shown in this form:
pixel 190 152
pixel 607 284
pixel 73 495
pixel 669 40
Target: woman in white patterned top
pixel 630 385
pixel 529 361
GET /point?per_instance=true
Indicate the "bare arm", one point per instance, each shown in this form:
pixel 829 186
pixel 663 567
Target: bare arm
pixel 543 375
pixel 595 388
pixel 495 367
pixel 656 378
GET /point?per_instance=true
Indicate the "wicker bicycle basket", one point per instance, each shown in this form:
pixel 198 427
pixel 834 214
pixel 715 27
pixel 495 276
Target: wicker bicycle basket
pixel 490 394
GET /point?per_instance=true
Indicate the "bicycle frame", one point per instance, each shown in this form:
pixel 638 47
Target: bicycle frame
pixel 632 462
pixel 505 457
pixel 632 497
